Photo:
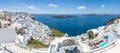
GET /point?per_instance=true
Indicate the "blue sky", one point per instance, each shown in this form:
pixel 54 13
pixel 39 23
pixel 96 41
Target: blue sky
pixel 62 6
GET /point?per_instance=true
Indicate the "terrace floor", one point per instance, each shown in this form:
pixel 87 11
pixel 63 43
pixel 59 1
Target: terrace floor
pixel 114 49
pixel 7 35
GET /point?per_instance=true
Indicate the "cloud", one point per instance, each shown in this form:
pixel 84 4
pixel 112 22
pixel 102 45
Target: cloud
pixel 82 8
pixel 53 5
pixel 23 5
pixel 103 6
pixel 32 7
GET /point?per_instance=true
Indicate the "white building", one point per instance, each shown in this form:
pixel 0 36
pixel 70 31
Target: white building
pixel 4 24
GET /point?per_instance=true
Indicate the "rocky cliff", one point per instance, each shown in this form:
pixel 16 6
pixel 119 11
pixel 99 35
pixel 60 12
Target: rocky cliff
pixel 112 20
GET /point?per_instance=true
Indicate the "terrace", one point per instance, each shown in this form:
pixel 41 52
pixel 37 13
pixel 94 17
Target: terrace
pixel 7 35
pixel 94 43
pixel 65 45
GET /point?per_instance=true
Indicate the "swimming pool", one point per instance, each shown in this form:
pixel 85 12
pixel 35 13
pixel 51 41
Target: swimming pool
pixel 103 44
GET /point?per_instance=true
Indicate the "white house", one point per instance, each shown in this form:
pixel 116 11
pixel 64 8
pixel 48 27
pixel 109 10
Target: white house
pixel 4 24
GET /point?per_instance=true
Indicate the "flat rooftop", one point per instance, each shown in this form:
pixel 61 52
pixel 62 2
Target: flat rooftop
pixel 7 35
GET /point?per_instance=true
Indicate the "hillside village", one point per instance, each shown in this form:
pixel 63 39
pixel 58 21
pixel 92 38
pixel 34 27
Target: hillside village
pixel 20 33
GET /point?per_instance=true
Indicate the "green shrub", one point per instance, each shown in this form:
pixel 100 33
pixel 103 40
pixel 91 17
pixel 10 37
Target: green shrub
pixel 36 43
pixel 56 33
pixel 90 35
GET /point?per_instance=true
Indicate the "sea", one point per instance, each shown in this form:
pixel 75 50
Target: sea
pixel 76 25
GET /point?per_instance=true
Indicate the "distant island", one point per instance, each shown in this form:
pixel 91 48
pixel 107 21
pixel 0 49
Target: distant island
pixel 96 14
pixel 63 16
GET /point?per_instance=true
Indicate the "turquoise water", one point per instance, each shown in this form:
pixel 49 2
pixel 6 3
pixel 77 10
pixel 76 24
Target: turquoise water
pixel 73 26
pixel 103 44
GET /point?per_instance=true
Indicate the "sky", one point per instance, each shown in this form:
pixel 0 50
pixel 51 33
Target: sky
pixel 62 6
